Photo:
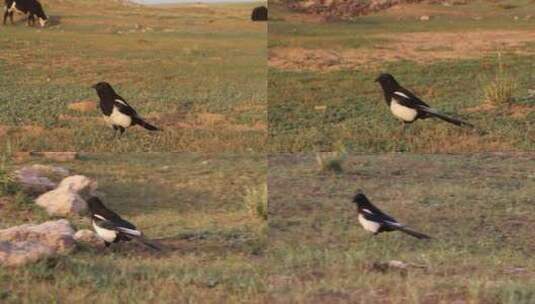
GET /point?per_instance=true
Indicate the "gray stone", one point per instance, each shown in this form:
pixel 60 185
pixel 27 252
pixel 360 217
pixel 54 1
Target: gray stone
pixel 30 243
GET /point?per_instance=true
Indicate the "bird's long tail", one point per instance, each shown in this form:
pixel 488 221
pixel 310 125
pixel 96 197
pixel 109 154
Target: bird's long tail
pixel 144 124
pixel 413 233
pixel 455 121
pixel 146 242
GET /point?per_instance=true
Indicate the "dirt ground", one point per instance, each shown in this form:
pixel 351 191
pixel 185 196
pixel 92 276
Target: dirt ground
pixel 421 47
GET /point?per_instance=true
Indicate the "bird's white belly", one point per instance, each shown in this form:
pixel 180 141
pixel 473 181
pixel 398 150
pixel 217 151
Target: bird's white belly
pixel 105 234
pixel 119 119
pixel 402 112
pixel 368 225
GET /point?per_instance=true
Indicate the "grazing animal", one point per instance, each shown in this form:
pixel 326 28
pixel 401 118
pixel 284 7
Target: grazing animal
pixel 374 220
pixel 117 112
pixel 407 107
pixel 110 227
pixel 32 8
pixel 259 14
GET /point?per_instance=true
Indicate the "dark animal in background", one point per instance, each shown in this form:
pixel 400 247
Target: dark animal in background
pixel 260 14
pixel 32 8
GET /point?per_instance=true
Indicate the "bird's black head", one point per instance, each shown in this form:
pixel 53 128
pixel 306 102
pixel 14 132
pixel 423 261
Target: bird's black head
pixel 94 204
pixel 102 87
pixel 360 199
pixel 387 80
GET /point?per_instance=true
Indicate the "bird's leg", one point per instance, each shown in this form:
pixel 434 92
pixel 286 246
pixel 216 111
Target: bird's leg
pixel 121 131
pixel 114 132
pixel 400 135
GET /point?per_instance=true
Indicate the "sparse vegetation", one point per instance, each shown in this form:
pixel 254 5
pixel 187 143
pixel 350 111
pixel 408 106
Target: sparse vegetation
pixel 332 161
pixel 500 89
pixel 7 185
pixel 333 65
pixel 256 201
pixel 478 208
pixel 192 206
pixel 177 65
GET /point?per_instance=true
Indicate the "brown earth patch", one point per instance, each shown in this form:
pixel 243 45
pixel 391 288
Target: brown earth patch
pixel 218 122
pixel 514 110
pixel 469 142
pixel 419 47
pixel 520 111
pixel 484 107
pixel 3 130
pixel 83 106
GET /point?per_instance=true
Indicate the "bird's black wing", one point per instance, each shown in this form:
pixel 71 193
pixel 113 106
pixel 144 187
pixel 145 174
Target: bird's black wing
pixel 108 216
pixel 129 231
pixel 406 98
pixel 366 207
pixel 124 107
pixel 121 226
pixel 375 215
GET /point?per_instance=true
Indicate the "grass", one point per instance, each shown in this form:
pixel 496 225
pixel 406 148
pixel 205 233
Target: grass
pixel 330 161
pixel 256 201
pixel 321 79
pixel 191 203
pixel 177 65
pixel 499 90
pixel 479 209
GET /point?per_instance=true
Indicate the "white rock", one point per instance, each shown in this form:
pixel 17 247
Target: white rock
pixel 79 184
pixel 69 197
pixel 425 18
pixel 30 243
pixel 62 202
pixel 89 238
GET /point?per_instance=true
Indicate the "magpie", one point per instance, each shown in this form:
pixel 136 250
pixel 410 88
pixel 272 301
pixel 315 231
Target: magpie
pixel 407 107
pixel 117 112
pixel 110 227
pixel 374 220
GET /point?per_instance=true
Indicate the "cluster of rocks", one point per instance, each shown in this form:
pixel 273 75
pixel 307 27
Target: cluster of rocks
pixel 347 9
pixel 61 195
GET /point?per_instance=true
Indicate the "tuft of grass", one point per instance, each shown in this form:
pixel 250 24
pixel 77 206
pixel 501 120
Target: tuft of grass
pixel 332 161
pixel 256 201
pixel 7 185
pixel 516 293
pixel 500 89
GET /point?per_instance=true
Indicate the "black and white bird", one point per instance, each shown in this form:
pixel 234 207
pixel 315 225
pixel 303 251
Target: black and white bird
pixel 374 220
pixel 110 227
pixel 117 112
pixel 407 107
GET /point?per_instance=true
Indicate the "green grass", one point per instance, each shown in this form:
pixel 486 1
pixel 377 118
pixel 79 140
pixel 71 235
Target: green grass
pixel 175 65
pixel 449 77
pixel 478 208
pixel 191 203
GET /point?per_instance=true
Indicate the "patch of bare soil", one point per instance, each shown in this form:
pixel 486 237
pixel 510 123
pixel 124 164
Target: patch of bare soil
pixel 215 121
pixel 3 130
pixel 517 111
pixel 83 106
pixel 344 9
pixel 419 47
pixel 468 142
